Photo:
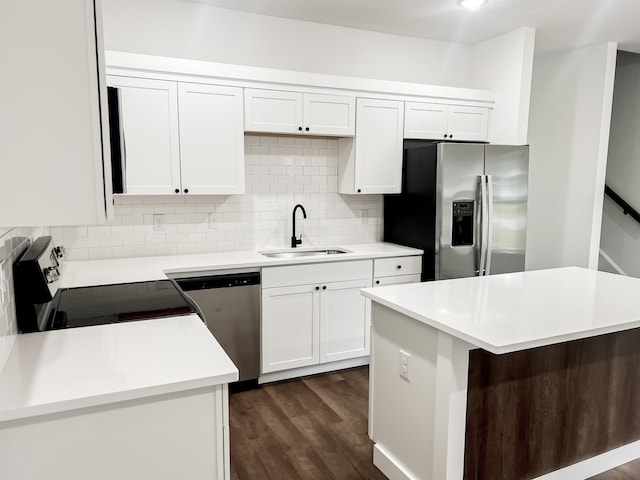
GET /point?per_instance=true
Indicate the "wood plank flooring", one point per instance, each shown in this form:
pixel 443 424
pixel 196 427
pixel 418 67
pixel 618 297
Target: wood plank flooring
pixel 316 428
pixel 628 471
pixel 310 428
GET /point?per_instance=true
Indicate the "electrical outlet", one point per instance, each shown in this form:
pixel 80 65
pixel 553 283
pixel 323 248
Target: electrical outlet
pixel 212 221
pixel 364 216
pixel 158 222
pixel 404 365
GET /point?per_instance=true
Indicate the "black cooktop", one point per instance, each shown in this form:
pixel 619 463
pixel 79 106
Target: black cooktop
pixel 41 305
pixel 124 302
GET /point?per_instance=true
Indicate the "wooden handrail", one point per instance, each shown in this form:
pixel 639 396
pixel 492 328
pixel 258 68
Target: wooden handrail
pixel 626 208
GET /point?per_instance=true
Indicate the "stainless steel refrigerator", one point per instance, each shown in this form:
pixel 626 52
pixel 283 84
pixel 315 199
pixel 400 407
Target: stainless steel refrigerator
pixel 464 204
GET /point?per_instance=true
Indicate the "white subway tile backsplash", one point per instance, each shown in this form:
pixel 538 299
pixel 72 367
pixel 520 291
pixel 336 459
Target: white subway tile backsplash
pixel 280 171
pixel 12 244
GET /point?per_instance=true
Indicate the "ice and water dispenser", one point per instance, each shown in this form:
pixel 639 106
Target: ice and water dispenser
pixel 462 223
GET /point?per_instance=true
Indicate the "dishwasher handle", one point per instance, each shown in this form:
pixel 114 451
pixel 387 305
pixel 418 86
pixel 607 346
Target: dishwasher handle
pixel 219 281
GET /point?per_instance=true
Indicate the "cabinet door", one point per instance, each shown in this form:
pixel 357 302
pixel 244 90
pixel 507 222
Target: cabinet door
pixel 344 321
pixel 290 327
pixel 378 146
pixel 211 139
pixel 329 115
pixel 149 122
pixel 272 111
pixel 426 121
pixel 53 115
pixel 468 123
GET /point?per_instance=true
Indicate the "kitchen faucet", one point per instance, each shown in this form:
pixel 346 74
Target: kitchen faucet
pixel 295 241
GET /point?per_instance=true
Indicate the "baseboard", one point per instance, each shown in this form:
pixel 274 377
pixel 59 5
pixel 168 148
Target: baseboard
pixel 388 465
pixel 596 465
pixel 313 370
pixel 613 264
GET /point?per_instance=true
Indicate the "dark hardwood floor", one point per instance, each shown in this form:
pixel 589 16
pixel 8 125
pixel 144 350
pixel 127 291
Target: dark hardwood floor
pixel 316 428
pixel 310 428
pixel 628 471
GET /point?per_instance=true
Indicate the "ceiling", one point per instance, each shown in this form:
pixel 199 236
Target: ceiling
pixel 559 24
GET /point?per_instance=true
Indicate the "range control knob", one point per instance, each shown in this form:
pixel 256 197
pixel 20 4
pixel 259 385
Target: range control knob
pixel 51 274
pixel 59 251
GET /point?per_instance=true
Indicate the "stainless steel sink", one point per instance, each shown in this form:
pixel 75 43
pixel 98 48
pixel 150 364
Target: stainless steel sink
pixel 298 253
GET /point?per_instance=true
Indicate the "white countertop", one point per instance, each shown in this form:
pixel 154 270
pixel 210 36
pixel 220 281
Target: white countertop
pixel 81 367
pixel 515 311
pixel 123 270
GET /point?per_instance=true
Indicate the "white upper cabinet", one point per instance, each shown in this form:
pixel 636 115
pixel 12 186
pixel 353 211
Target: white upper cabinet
pixel 434 121
pixel 272 111
pixel 372 161
pixel 149 134
pixel 52 112
pixel 276 111
pixel 211 139
pixel 180 138
pixel 329 115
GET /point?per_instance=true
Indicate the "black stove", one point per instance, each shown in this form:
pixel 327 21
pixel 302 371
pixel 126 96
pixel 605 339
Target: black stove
pixel 41 305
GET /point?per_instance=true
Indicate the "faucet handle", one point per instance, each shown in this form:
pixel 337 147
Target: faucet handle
pixel 296 241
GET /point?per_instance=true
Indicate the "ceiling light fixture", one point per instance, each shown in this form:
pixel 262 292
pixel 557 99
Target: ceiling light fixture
pixel 472 4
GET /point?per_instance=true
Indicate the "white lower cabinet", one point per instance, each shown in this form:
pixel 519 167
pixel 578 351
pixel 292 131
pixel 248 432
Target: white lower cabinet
pixel 313 314
pixel 166 436
pixel 344 321
pixel 290 327
pixel 397 270
pixel 397 280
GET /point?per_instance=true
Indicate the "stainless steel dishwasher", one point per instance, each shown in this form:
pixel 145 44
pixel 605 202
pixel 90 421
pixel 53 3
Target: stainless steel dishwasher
pixel 230 304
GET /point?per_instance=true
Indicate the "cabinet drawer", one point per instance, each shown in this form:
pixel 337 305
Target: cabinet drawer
pixel 388 267
pixel 315 273
pixel 396 280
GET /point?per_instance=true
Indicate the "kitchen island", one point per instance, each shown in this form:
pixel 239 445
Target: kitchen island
pixel 522 375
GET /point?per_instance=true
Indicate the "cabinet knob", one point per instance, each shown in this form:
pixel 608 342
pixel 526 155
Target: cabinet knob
pixel 186 190
pixel 377 282
pixel 317 288
pixel 299 129
pixel 359 190
pixel 450 136
pixel 399 267
pixel 445 135
pixel 177 190
pixel 324 287
pixel 307 129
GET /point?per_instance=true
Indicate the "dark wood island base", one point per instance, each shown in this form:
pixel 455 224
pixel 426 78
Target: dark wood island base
pixel 538 410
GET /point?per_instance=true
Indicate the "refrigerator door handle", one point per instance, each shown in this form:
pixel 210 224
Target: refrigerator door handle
pixel 483 225
pixel 489 238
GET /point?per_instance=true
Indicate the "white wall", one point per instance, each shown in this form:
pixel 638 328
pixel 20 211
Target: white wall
pixel 620 238
pixel 504 64
pixel 196 31
pixel 568 131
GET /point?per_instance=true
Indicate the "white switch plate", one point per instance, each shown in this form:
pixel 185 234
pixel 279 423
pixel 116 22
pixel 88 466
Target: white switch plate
pixel 404 365
pixel 364 216
pixel 158 222
pixel 212 221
